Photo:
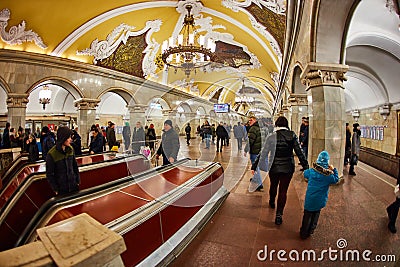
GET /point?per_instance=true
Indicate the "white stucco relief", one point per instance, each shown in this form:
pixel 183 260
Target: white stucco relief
pixel 103 49
pixel 17 34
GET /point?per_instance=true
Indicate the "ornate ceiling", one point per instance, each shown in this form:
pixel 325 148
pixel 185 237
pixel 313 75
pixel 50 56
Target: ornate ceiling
pixel 127 36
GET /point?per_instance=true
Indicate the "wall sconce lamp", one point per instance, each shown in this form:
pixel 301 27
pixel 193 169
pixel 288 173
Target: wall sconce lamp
pixel 44 96
pixel 384 110
pixel 356 114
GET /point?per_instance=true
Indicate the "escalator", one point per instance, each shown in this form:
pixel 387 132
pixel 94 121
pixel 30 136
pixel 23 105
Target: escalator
pixel 32 192
pixel 153 210
pixel 21 166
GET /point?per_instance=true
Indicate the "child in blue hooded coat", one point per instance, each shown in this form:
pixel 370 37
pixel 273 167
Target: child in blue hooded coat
pixel 319 178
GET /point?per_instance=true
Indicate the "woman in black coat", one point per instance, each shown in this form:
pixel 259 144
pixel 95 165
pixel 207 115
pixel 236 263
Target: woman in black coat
pixel 76 143
pixel 151 135
pixel 96 146
pixel 32 148
pixel 279 148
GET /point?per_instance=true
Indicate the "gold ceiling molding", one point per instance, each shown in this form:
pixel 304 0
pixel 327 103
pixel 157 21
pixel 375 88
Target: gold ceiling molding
pixel 17 34
pixel 102 50
pixel 252 9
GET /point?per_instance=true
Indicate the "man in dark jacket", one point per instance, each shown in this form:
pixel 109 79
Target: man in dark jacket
pixel 111 139
pixel 221 136
pixel 76 142
pixel 47 141
pixel 347 152
pixel 393 210
pixel 169 146
pixel 6 136
pixel 304 137
pixel 61 167
pixel 253 146
pixel 188 129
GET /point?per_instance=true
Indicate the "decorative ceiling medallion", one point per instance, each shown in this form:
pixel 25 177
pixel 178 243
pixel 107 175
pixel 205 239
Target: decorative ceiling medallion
pixel 17 34
pixel 278 7
pixel 103 49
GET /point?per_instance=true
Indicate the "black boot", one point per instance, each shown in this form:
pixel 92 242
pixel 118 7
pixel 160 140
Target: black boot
pixel 306 225
pixel 278 219
pixel 392 227
pixel 392 214
pixel 271 204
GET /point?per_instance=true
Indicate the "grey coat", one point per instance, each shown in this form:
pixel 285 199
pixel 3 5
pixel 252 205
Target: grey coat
pixel 355 144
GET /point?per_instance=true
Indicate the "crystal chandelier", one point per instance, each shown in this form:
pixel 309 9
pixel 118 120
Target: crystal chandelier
pixel 243 99
pixel 190 50
pixel 44 96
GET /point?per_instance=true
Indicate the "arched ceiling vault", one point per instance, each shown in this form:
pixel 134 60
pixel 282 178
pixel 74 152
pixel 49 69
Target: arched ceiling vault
pixel 66 27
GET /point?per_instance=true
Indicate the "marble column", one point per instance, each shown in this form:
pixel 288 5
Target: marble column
pixel 299 109
pixel 285 112
pixel 16 105
pixel 137 113
pixel 86 117
pixel 325 94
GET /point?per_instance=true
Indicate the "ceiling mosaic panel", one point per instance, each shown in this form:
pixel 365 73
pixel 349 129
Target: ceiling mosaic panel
pixel 275 23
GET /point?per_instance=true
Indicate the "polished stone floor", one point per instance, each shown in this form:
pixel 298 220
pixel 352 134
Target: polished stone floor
pixel 353 223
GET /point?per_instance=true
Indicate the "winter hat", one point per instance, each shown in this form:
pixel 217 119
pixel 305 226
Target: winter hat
pixel 323 159
pixel 45 129
pixel 169 122
pixel 63 133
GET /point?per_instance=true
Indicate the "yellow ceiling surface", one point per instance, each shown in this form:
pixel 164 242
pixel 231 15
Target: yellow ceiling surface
pixel 66 27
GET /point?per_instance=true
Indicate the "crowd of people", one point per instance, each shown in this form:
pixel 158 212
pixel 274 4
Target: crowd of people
pixel 270 146
pixel 27 141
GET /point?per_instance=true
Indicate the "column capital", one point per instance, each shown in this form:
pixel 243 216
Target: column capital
pixel 15 100
pixel 324 74
pixel 137 108
pixel 285 107
pixel 169 113
pixel 190 114
pixel 86 103
pixel 298 100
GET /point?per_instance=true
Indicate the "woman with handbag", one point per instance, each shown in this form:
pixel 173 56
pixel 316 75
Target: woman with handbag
pixel 355 147
pixel 279 148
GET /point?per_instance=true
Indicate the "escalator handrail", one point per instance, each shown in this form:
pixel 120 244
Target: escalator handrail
pixel 131 220
pixel 5 210
pixel 39 217
pixel 11 173
pixel 81 166
pixel 11 170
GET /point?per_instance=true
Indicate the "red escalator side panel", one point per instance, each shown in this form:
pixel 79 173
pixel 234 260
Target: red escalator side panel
pixel 141 241
pixel 104 209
